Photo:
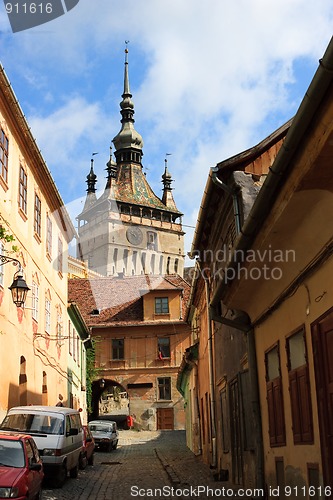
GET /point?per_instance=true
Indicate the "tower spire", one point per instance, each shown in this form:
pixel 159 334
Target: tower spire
pixel 91 178
pixel 126 78
pixel 167 197
pixel 128 139
pixel 91 187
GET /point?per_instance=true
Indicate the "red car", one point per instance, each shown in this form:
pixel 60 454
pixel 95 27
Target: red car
pixel 21 468
pixel 87 455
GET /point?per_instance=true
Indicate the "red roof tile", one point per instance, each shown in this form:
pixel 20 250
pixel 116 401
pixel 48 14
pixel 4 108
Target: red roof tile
pixel 118 301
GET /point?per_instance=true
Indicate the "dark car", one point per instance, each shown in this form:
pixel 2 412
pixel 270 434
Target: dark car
pixel 105 433
pixel 87 455
pixel 21 468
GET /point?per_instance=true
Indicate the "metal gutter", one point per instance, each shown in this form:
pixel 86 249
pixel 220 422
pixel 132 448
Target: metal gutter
pixel 268 193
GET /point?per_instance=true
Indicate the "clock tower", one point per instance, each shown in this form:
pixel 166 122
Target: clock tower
pixel 129 230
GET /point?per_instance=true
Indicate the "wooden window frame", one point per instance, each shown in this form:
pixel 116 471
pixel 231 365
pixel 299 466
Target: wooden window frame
pixel 4 148
pixel 118 349
pixel 60 255
pixel 35 300
pixel 160 305
pixel 275 406
pixel 38 216
pixel 48 235
pixel 23 190
pixel 300 395
pixel 164 347
pixel 164 388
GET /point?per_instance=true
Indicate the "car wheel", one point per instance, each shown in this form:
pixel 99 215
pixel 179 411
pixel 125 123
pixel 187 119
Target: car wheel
pixel 91 459
pixel 114 447
pixel 74 472
pixel 83 461
pixel 60 477
pixel 39 495
pixel 109 447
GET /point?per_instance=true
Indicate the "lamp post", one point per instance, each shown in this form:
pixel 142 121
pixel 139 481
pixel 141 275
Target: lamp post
pixel 18 288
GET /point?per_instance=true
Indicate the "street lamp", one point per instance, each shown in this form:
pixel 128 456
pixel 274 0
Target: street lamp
pixel 18 288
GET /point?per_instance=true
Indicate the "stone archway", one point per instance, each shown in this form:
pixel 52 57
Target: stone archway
pixel 109 401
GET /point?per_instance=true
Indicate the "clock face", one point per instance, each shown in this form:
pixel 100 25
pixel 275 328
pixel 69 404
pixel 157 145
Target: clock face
pixel 134 235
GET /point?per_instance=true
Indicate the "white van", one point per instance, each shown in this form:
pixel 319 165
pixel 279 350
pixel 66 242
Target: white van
pixel 58 434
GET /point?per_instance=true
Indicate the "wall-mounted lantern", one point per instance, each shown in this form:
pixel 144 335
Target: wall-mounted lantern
pixel 19 287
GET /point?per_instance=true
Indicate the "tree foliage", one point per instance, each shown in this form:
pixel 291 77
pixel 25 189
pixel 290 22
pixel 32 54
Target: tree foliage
pixel 92 372
pixel 6 237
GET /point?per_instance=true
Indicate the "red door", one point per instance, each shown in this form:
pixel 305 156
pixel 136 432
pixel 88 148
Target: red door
pixel 322 340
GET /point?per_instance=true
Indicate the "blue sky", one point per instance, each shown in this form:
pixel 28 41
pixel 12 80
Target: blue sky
pixel 209 80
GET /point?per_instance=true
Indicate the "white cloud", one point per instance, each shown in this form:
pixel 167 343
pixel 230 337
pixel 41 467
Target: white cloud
pixel 208 79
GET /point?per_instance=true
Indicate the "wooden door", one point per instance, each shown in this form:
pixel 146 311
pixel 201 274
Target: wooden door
pixel 322 339
pixel 165 419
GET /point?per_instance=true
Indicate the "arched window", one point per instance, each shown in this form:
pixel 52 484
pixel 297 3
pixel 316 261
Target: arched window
pixel 168 265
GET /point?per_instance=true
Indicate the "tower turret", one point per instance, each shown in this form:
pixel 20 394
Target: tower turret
pixel 128 142
pixel 91 187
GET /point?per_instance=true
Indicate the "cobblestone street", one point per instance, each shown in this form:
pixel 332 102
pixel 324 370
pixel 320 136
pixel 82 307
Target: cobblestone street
pixel 143 462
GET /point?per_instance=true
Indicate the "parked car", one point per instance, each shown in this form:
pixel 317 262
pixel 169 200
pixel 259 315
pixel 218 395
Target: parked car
pixel 21 468
pixel 58 434
pixel 105 434
pixel 87 455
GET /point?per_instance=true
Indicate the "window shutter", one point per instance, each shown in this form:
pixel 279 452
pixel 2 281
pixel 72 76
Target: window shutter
pixel 271 419
pixel 295 407
pixel 279 412
pixel 305 404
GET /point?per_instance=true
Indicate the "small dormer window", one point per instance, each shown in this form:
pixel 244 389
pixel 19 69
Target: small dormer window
pixel 161 305
pixel 95 312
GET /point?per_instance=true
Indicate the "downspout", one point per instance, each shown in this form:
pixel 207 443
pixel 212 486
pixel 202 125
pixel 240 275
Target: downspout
pixel 247 328
pixel 232 193
pixel 213 464
pixel 194 366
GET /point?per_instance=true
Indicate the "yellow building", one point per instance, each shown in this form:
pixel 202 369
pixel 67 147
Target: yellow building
pixel 33 340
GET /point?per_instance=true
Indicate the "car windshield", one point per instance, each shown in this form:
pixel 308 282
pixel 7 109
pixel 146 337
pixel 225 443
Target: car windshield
pixel 11 453
pixel 100 428
pixel 33 423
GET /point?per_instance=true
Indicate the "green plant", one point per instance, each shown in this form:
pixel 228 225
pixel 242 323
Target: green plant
pixel 5 236
pixel 92 372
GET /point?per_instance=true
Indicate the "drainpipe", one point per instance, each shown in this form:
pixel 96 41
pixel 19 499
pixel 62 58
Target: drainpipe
pixel 213 464
pixel 231 192
pixel 194 366
pixel 247 328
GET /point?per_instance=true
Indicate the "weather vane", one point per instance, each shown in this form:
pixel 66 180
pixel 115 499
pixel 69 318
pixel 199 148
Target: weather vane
pixel 166 160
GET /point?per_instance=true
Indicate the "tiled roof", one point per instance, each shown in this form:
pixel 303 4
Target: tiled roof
pixel 118 301
pixel 132 187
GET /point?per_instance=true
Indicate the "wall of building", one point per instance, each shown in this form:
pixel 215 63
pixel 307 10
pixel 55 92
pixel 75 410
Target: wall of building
pixel 310 301
pixel 141 365
pixel 104 244
pixel 33 359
